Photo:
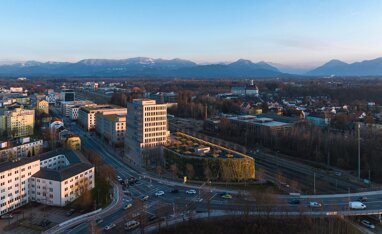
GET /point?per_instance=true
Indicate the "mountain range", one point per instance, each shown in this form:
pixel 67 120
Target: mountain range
pixel 339 68
pixel 140 66
pixel 149 67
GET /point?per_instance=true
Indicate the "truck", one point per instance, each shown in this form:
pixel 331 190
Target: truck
pixel 356 205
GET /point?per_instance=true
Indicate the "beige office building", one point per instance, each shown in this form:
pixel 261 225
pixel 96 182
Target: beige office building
pixel 112 127
pixel 86 115
pixel 147 129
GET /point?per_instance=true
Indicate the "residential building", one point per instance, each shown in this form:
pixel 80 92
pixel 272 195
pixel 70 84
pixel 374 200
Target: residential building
pixel 72 141
pixel 147 129
pixel 17 122
pixel 43 106
pixel 86 115
pixel 14 182
pixel 63 177
pixel 54 178
pixel 67 108
pixel 111 127
pixel 24 147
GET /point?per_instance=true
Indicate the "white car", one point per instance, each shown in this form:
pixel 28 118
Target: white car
pixel 127 206
pixel 191 191
pixel 119 178
pixel 159 193
pixel 367 223
pixel 314 204
pixel 110 226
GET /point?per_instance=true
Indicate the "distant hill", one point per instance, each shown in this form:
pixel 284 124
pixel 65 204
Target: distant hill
pixel 140 66
pixel 338 68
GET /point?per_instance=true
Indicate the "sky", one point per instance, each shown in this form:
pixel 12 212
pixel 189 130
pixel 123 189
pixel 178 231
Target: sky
pixel 290 32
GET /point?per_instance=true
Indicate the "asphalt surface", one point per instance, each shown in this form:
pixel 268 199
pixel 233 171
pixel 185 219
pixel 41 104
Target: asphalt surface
pixel 205 199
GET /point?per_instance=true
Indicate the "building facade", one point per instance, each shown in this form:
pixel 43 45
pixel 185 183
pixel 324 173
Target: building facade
pixel 18 149
pixel 112 127
pixel 147 129
pixel 43 106
pixel 17 122
pixel 86 115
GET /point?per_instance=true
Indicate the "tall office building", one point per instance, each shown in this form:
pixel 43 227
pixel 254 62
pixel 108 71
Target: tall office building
pixel 146 129
pixel 67 95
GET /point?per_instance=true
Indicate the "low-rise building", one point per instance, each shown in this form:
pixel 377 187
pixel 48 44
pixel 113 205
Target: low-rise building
pixel 24 147
pixel 43 106
pixel 72 141
pixel 54 178
pixel 86 115
pixel 112 127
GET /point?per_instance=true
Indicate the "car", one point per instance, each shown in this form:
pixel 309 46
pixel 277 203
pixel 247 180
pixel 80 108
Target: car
pixel 294 202
pixel 45 223
pixel 145 198
pixel 338 173
pixel 70 212
pixel 119 179
pixel 152 217
pixel 132 224
pixel 362 199
pixel 98 221
pixel 110 226
pixel 367 223
pixel 227 196
pixel 159 193
pixel 127 206
pixel 174 191
pixel 7 216
pixel 191 191
pixel 314 204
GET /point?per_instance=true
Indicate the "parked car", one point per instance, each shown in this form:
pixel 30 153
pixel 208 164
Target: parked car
pixel 294 202
pixel 127 206
pixel 362 199
pixel 191 191
pixel 70 212
pixel 45 223
pixel 314 204
pixel 119 179
pixel 131 225
pixel 7 216
pixel 145 198
pixel 367 223
pixel 110 226
pixel 159 193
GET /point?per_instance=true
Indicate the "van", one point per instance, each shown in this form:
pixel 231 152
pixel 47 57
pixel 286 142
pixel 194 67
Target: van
pixel 131 225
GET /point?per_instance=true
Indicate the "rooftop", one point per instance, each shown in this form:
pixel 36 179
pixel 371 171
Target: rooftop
pixel 100 107
pixel 4 166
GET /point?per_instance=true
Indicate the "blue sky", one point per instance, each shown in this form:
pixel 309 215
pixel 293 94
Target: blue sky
pixel 297 33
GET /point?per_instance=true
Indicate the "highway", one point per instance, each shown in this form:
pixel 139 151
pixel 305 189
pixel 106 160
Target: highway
pixel 207 198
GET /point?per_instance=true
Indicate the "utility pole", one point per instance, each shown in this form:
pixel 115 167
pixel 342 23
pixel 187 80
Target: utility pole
pixel 359 151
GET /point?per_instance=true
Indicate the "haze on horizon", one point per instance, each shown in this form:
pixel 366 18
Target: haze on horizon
pixel 301 34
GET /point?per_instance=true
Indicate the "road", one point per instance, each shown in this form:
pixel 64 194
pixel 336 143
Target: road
pixel 206 198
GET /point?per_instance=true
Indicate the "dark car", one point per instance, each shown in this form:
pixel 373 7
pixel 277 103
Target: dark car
pixel 70 212
pixel 362 199
pixel 45 223
pixel 294 202
pixel 175 191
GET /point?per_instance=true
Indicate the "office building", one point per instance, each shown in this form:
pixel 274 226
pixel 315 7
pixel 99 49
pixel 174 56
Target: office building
pixel 147 129
pixel 67 95
pixel 112 127
pixel 86 115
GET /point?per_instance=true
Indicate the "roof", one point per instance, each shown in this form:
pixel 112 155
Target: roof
pixel 100 107
pixel 4 166
pixel 78 163
pixel 62 174
pixel 116 117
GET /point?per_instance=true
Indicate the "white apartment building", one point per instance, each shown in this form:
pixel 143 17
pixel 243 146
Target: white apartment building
pixel 86 115
pixel 147 129
pixel 112 127
pixel 53 178
pixel 63 177
pixel 14 182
